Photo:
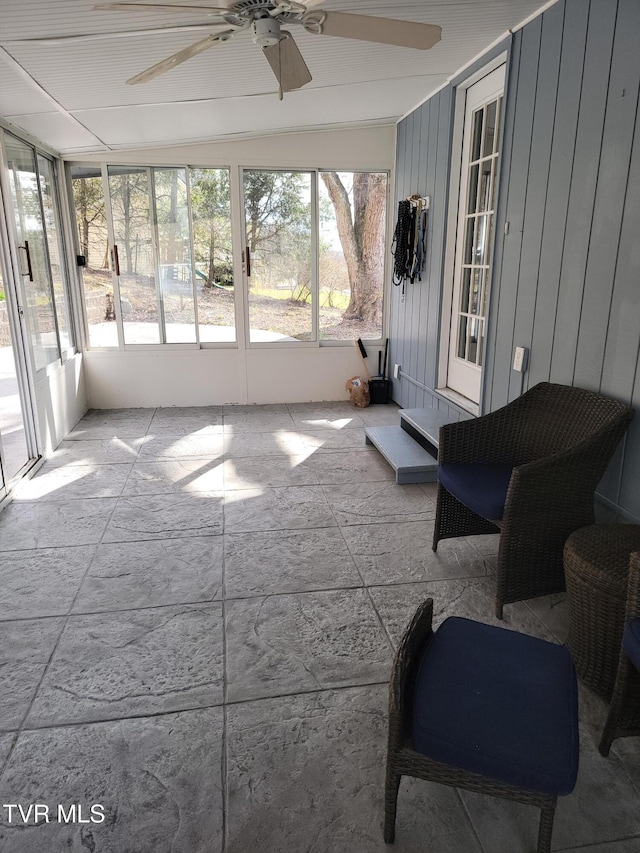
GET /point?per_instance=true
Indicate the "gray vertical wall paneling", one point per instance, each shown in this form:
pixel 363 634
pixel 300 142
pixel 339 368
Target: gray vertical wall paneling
pixel 583 187
pixel 422 184
pixel 436 234
pixel 560 177
pixel 621 351
pixel 537 185
pixel 517 195
pixel 412 298
pixel 401 190
pixel 408 394
pixel 509 105
pixel 395 325
pixel 610 196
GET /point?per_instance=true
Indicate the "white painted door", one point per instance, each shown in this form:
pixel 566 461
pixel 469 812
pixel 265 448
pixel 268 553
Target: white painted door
pixel 476 214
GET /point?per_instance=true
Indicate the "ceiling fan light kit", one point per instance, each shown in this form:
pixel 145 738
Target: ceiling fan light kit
pixel 264 19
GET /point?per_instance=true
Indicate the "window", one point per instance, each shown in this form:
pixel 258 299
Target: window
pixel 294 297
pixel 44 294
pixel 353 209
pixel 278 210
pixel 213 254
pixel 159 265
pixel 167 269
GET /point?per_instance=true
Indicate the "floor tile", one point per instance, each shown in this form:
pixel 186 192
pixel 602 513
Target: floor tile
pixel 75 481
pixel 553 610
pixel 361 466
pixel 307 773
pixel 54 524
pixel 165 517
pixel 318 441
pixel 380 414
pixel 335 416
pixel 486 543
pixel 115 423
pixel 603 807
pixel 25 649
pixel 42 582
pixel 268 471
pixel 158 778
pixel 375 503
pixel 95 452
pixel 277 509
pixel 239 419
pixel 133 663
pixel 286 443
pixel 287 561
pixel 183 421
pixel 147 574
pixel 401 553
pixel 6 742
pixel 310 641
pixel 174 475
pixel 472 598
pixel 207 446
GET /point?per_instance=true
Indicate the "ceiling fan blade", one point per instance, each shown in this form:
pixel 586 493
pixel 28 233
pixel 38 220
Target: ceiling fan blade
pixel 368 28
pixel 179 57
pixel 287 63
pixel 157 7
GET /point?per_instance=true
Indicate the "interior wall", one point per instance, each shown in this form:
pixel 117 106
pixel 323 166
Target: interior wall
pixel 278 373
pixel 566 272
pixel 60 401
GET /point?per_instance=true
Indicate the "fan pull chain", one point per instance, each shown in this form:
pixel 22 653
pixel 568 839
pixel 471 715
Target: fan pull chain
pixel 280 92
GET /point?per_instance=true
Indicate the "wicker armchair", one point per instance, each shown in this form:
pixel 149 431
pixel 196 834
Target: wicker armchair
pixel 539 460
pixel 485 709
pixel 624 712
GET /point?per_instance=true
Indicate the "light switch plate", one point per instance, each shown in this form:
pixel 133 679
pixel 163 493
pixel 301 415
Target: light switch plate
pixel 520 359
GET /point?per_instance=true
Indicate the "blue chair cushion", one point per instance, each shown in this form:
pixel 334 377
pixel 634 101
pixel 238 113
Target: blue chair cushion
pixel 482 486
pixel 500 704
pixel 631 642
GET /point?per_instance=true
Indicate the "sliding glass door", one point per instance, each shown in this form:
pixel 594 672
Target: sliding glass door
pixel 14 446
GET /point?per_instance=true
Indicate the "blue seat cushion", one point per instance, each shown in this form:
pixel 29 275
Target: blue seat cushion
pixel 631 642
pixel 482 486
pixel 500 704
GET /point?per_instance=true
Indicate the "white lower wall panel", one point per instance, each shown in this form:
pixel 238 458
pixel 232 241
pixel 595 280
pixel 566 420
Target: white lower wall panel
pixel 216 376
pixel 61 401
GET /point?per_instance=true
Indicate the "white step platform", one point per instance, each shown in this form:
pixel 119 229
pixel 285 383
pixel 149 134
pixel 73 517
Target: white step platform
pixel 411 462
pixel 426 422
pixel 411 448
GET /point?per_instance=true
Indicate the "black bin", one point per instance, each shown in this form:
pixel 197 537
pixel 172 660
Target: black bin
pixel 379 390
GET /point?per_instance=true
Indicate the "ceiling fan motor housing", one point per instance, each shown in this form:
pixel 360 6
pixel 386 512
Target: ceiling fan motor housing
pixel 266 31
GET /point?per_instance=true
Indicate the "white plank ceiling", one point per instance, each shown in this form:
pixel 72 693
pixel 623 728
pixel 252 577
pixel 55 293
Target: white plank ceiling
pixel 72 95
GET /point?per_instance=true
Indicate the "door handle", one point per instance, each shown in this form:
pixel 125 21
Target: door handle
pixel 25 248
pixel 248 262
pixel 116 260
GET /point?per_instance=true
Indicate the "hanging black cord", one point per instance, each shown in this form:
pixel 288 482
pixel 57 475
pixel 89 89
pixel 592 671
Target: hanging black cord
pixel 401 243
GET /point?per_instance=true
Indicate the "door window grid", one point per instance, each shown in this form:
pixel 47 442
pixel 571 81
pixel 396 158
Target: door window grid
pixel 478 232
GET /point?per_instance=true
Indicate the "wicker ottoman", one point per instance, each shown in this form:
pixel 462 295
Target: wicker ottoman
pixel 596 567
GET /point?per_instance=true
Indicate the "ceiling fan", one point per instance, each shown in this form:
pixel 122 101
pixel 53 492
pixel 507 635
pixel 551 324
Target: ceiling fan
pixel 264 20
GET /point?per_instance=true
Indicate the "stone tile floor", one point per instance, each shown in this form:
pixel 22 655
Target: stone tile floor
pixel 198 617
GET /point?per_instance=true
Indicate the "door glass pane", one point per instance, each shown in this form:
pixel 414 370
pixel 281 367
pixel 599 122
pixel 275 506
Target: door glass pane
pixel 212 248
pixel 93 243
pixel 56 250
pixel 129 191
pixel 489 128
pixel 278 223
pixel 352 212
pixel 23 184
pixel 476 143
pixel 174 253
pixel 12 431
